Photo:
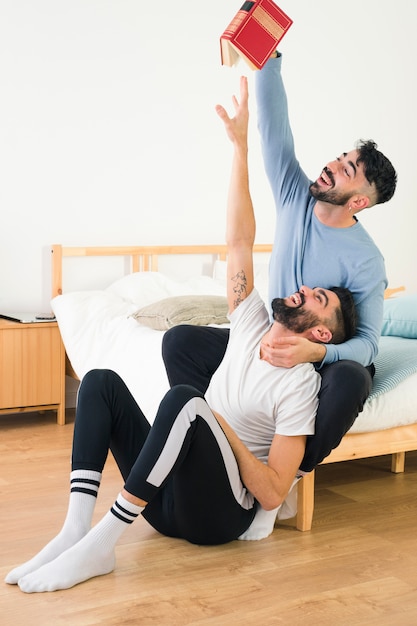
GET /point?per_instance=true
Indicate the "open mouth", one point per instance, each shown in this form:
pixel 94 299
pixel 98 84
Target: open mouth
pixel 297 299
pixel 326 178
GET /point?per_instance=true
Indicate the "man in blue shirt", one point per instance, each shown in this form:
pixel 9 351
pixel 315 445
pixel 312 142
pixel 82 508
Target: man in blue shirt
pixel 318 241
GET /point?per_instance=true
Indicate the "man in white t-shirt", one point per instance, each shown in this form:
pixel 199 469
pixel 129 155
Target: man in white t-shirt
pixel 210 469
pixel 267 412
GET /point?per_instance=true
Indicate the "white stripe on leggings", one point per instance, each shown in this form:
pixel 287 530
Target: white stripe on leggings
pixel 187 415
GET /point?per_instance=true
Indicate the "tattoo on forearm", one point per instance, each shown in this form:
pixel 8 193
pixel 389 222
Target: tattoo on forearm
pixel 240 287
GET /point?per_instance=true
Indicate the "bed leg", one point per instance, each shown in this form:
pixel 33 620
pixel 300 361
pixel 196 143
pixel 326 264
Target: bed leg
pixel 305 504
pixel 398 462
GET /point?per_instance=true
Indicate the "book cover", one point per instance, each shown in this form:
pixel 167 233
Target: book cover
pixel 254 33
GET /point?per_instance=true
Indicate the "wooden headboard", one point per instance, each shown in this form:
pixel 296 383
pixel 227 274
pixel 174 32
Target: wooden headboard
pixel 142 258
pixel 145 258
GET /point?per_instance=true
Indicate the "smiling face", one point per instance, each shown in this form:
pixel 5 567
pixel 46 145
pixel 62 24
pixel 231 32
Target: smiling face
pixel 341 179
pixel 305 309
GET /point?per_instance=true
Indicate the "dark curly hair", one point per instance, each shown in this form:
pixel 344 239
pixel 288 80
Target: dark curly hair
pixel 346 316
pixel 378 170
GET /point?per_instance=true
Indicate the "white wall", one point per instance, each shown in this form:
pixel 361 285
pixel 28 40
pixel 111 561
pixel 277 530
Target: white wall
pixel 108 133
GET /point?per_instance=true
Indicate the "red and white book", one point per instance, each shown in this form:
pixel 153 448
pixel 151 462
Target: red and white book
pixel 254 33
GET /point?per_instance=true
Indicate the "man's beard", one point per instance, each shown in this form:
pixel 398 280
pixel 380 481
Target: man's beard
pixel 296 319
pixel 329 195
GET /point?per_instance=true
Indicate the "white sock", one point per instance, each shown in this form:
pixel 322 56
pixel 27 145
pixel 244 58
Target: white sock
pixel 93 555
pixel 288 508
pixel 82 500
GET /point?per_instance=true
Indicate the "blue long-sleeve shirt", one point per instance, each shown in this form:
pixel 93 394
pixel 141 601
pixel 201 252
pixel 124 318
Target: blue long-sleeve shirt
pixel 305 251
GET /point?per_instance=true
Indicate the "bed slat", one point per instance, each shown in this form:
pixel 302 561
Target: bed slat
pixel 142 258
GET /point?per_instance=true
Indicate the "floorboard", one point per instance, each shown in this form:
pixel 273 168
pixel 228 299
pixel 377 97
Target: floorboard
pixel 356 567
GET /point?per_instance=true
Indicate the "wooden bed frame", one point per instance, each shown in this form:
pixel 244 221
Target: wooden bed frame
pixel 394 441
pixel 142 258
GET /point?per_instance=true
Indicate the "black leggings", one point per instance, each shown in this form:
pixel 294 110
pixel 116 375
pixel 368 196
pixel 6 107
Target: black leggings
pixel 182 466
pixel 193 353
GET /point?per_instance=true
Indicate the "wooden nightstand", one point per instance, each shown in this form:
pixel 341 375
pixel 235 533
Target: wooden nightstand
pixel 32 368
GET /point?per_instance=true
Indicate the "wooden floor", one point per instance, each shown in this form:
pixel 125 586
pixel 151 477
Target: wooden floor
pixel 357 566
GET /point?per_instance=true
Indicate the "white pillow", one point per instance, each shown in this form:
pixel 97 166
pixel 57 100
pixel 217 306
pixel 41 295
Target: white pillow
pixel 143 288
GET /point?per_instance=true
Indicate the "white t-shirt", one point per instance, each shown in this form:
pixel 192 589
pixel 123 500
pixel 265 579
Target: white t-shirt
pixel 257 399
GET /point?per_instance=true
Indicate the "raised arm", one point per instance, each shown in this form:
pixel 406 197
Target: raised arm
pixel 240 221
pixel 281 164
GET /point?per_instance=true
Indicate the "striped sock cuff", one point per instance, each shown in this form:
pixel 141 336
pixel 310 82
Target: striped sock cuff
pixel 85 481
pixel 125 511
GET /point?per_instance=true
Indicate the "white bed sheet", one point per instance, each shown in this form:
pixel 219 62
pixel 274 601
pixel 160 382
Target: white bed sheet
pixel 98 333
pixel 397 407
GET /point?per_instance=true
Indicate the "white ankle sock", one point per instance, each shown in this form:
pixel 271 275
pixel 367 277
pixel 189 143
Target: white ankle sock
pixel 82 500
pixel 288 508
pixel 93 555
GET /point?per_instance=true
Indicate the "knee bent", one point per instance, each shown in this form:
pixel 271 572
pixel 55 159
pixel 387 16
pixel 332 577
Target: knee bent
pixel 97 380
pixel 347 375
pixel 175 340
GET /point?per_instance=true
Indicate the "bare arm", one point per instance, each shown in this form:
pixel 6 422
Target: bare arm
pixel 240 226
pixel 240 236
pixel 268 483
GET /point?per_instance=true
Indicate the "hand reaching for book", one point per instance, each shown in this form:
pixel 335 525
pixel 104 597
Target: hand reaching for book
pixel 237 126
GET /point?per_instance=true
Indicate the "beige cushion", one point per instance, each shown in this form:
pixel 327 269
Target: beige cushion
pixel 196 310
